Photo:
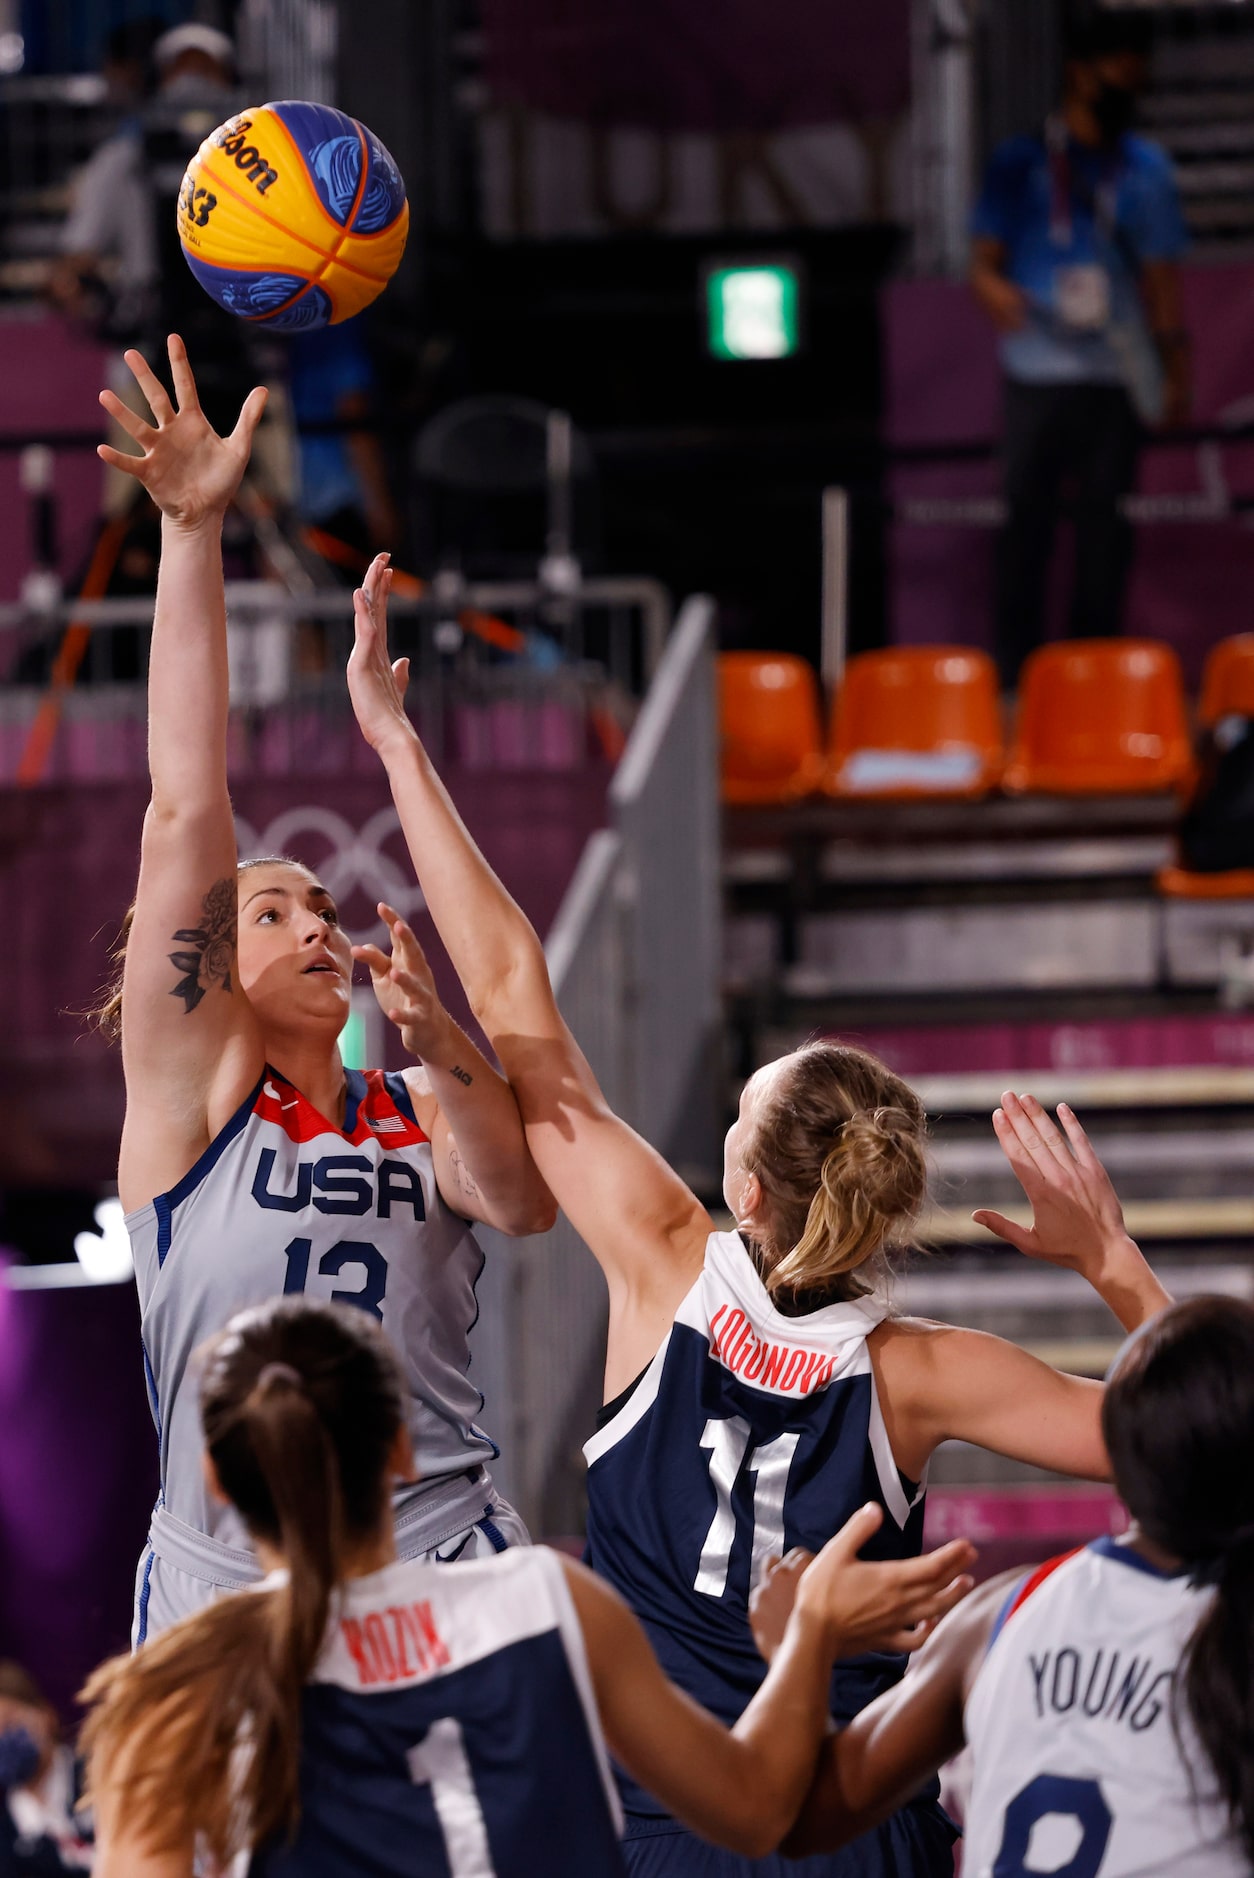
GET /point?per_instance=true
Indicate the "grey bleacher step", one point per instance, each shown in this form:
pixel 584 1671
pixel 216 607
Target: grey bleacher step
pixel 1229 1218
pixel 1212 1085
pixel 1162 1164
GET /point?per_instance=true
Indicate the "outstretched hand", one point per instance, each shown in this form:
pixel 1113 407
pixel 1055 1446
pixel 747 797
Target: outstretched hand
pixel 405 988
pixel 1077 1220
pixel 892 1604
pixel 376 684
pixel 1076 1214
pixel 189 471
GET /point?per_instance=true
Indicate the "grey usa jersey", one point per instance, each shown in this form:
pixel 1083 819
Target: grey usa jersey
pixel 282 1201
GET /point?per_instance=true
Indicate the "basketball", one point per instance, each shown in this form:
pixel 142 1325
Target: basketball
pixel 293 215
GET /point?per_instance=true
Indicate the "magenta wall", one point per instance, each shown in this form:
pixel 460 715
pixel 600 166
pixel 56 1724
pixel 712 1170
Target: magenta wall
pixel 78 1476
pixel 1190 584
pixel 48 386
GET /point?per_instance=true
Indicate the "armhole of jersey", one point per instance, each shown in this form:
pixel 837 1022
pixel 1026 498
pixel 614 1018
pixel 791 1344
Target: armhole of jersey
pixel 639 1401
pixel 889 1474
pixel 577 1657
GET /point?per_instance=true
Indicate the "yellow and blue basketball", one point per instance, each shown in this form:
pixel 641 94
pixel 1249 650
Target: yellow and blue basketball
pixel 293 216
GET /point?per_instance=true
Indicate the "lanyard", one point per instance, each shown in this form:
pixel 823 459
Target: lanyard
pixel 1105 196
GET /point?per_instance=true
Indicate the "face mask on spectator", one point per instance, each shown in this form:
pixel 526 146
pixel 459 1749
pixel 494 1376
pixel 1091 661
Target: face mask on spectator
pixel 20 1755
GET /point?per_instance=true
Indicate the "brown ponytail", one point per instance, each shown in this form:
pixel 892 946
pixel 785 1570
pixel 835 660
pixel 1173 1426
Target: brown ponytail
pixel 301 1404
pixel 840 1150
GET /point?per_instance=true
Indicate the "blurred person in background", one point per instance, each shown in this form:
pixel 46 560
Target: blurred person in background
pixel 121 269
pixel 40 1833
pixel 342 488
pixel 1077 235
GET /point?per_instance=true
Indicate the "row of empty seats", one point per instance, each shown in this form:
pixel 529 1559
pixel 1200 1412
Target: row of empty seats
pixel 1094 717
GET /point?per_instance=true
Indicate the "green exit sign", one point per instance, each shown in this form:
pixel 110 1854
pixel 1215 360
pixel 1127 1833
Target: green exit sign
pixel 753 310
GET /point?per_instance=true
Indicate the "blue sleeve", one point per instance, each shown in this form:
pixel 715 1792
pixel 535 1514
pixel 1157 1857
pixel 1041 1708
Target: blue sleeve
pixel 998 212
pixel 1158 228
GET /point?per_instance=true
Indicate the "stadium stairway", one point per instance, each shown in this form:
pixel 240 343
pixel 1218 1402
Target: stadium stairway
pixel 982 946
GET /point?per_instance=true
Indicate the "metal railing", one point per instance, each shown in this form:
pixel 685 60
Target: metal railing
pixel 633 956
pixel 503 675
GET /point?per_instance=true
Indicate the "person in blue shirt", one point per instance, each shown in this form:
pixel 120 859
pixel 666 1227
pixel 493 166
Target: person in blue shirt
pixel 1077 235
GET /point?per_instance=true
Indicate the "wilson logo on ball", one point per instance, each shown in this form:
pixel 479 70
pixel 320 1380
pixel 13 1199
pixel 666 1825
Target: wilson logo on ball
pixel 293 215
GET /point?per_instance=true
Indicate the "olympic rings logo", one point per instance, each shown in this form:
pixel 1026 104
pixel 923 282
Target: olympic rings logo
pixel 357 861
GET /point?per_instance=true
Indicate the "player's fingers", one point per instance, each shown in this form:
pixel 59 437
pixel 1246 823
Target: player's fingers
pixel 378 963
pixel 131 422
pixel 373 584
pixel 857 1529
pixel 250 416
pixel 1046 1128
pixel 1032 1130
pixel 1081 1146
pixel 1020 1237
pixel 400 672
pixel 181 373
pixel 151 386
pixel 121 460
pixel 1025 1167
pixel 939 1566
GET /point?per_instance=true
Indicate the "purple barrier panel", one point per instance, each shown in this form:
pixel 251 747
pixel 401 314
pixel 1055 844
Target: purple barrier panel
pixel 1168 1042
pixel 1021 1525
pixel 78 1476
pixel 50 380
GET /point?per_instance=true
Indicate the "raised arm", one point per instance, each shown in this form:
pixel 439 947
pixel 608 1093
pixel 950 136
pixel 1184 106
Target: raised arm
pixel 636 1215
pixel 482 1164
pixel 879 1762
pixel 939 1383
pixel 742 1788
pixel 189 1044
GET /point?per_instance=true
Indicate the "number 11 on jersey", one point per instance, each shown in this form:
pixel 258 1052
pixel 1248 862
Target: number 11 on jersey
pixel 730 1456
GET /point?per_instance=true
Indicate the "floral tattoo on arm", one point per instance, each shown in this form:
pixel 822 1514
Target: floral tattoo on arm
pixel 209 957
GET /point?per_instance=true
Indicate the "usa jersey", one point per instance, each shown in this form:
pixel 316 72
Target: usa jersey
pixel 1077 1764
pixel 282 1201
pixel 450 1729
pixel 750 1432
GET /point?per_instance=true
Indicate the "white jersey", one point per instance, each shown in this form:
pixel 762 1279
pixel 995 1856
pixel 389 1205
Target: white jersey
pixel 284 1202
pixel 1078 1768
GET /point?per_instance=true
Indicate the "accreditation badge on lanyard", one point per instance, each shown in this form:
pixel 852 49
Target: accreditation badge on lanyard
pixel 1082 295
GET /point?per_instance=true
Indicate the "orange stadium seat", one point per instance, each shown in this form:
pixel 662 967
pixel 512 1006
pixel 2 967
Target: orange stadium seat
pixel 1228 680
pixel 1178 883
pixel 1100 717
pixel 916 721
pixel 769 727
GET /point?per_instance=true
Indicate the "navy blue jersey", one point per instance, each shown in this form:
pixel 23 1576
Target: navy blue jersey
pixel 450 1731
pixel 749 1433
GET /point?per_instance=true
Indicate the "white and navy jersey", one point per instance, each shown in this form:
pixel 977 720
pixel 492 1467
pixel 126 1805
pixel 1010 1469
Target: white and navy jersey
pixel 750 1432
pixel 1078 1768
pixel 283 1201
pixel 450 1729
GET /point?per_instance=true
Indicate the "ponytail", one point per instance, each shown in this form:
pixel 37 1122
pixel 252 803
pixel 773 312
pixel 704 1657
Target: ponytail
pixel 1217 1675
pixel 301 1405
